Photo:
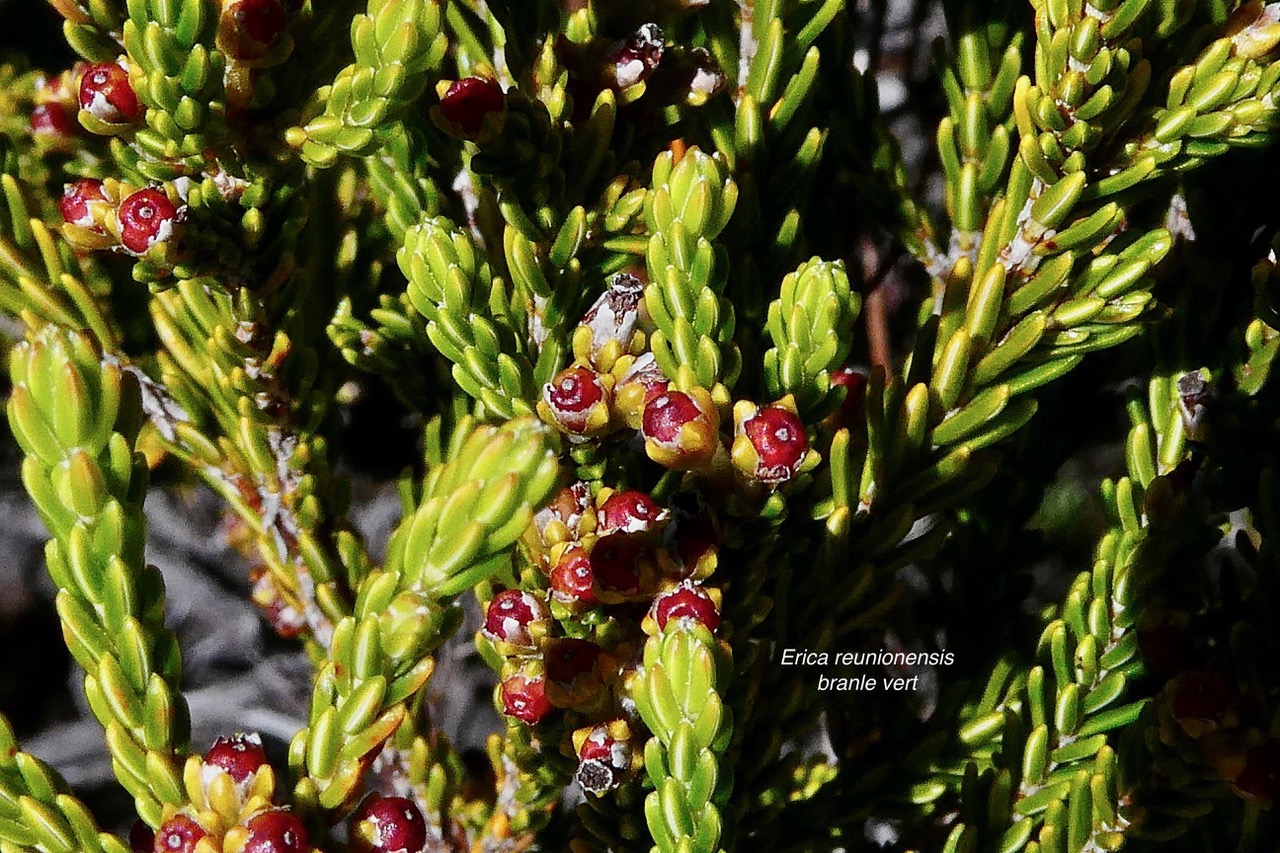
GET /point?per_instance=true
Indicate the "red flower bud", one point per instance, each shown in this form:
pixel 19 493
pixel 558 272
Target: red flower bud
pixel 53 121
pixel 388 825
pixel 252 27
pixel 178 834
pixel 107 94
pixel 570 658
pixel 241 755
pixel 687 601
pixel 574 673
pixel 604 756
pixel 629 511
pixel 771 442
pixel 76 204
pixel 1260 778
pixel 691 550
pixel 517 618
pixel 577 401
pixel 1202 695
pixel 276 831
pixel 681 429
pixel 468 102
pixel 619 575
pixel 572 578
pixel 525 698
pixel 147 217
pixel 854 383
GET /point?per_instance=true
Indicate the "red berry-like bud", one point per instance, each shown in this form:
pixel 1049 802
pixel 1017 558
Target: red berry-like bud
pixel 604 756
pixel 615 560
pixel 780 440
pixel 572 578
pixel 681 428
pixel 569 660
pixel 629 511
pixel 577 401
pixel 1202 695
pixel 1165 646
pixel 854 383
pixel 388 825
pixel 1260 778
pixel 52 121
pixel 276 831
pixel 635 59
pixel 687 601
pixel 141 838
pixel 513 616
pixel 107 94
pixel 263 20
pixel 664 417
pixel 240 755
pixel 178 834
pixel 252 27
pixel 693 548
pixel 76 200
pixel 525 698
pixel 469 101
pixel 147 217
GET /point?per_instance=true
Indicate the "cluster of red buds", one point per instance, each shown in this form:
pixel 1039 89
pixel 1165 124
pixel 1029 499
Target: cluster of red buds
pixel 1206 706
pixel 613 566
pixel 111 215
pixel 614 384
pixel 230 791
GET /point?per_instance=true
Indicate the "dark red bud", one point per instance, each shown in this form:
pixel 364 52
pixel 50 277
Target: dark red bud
pixel 615 560
pixel 779 440
pixel 572 578
pixel 178 834
pixel 147 217
pixel 468 101
pixel 629 511
pixel 1260 777
pixel 388 825
pixel 568 659
pixel 686 601
pixel 74 204
pixel 525 699
pixel 107 94
pixel 53 120
pixel 666 413
pixel 276 831
pixel 1202 695
pixel 510 614
pixel 241 755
